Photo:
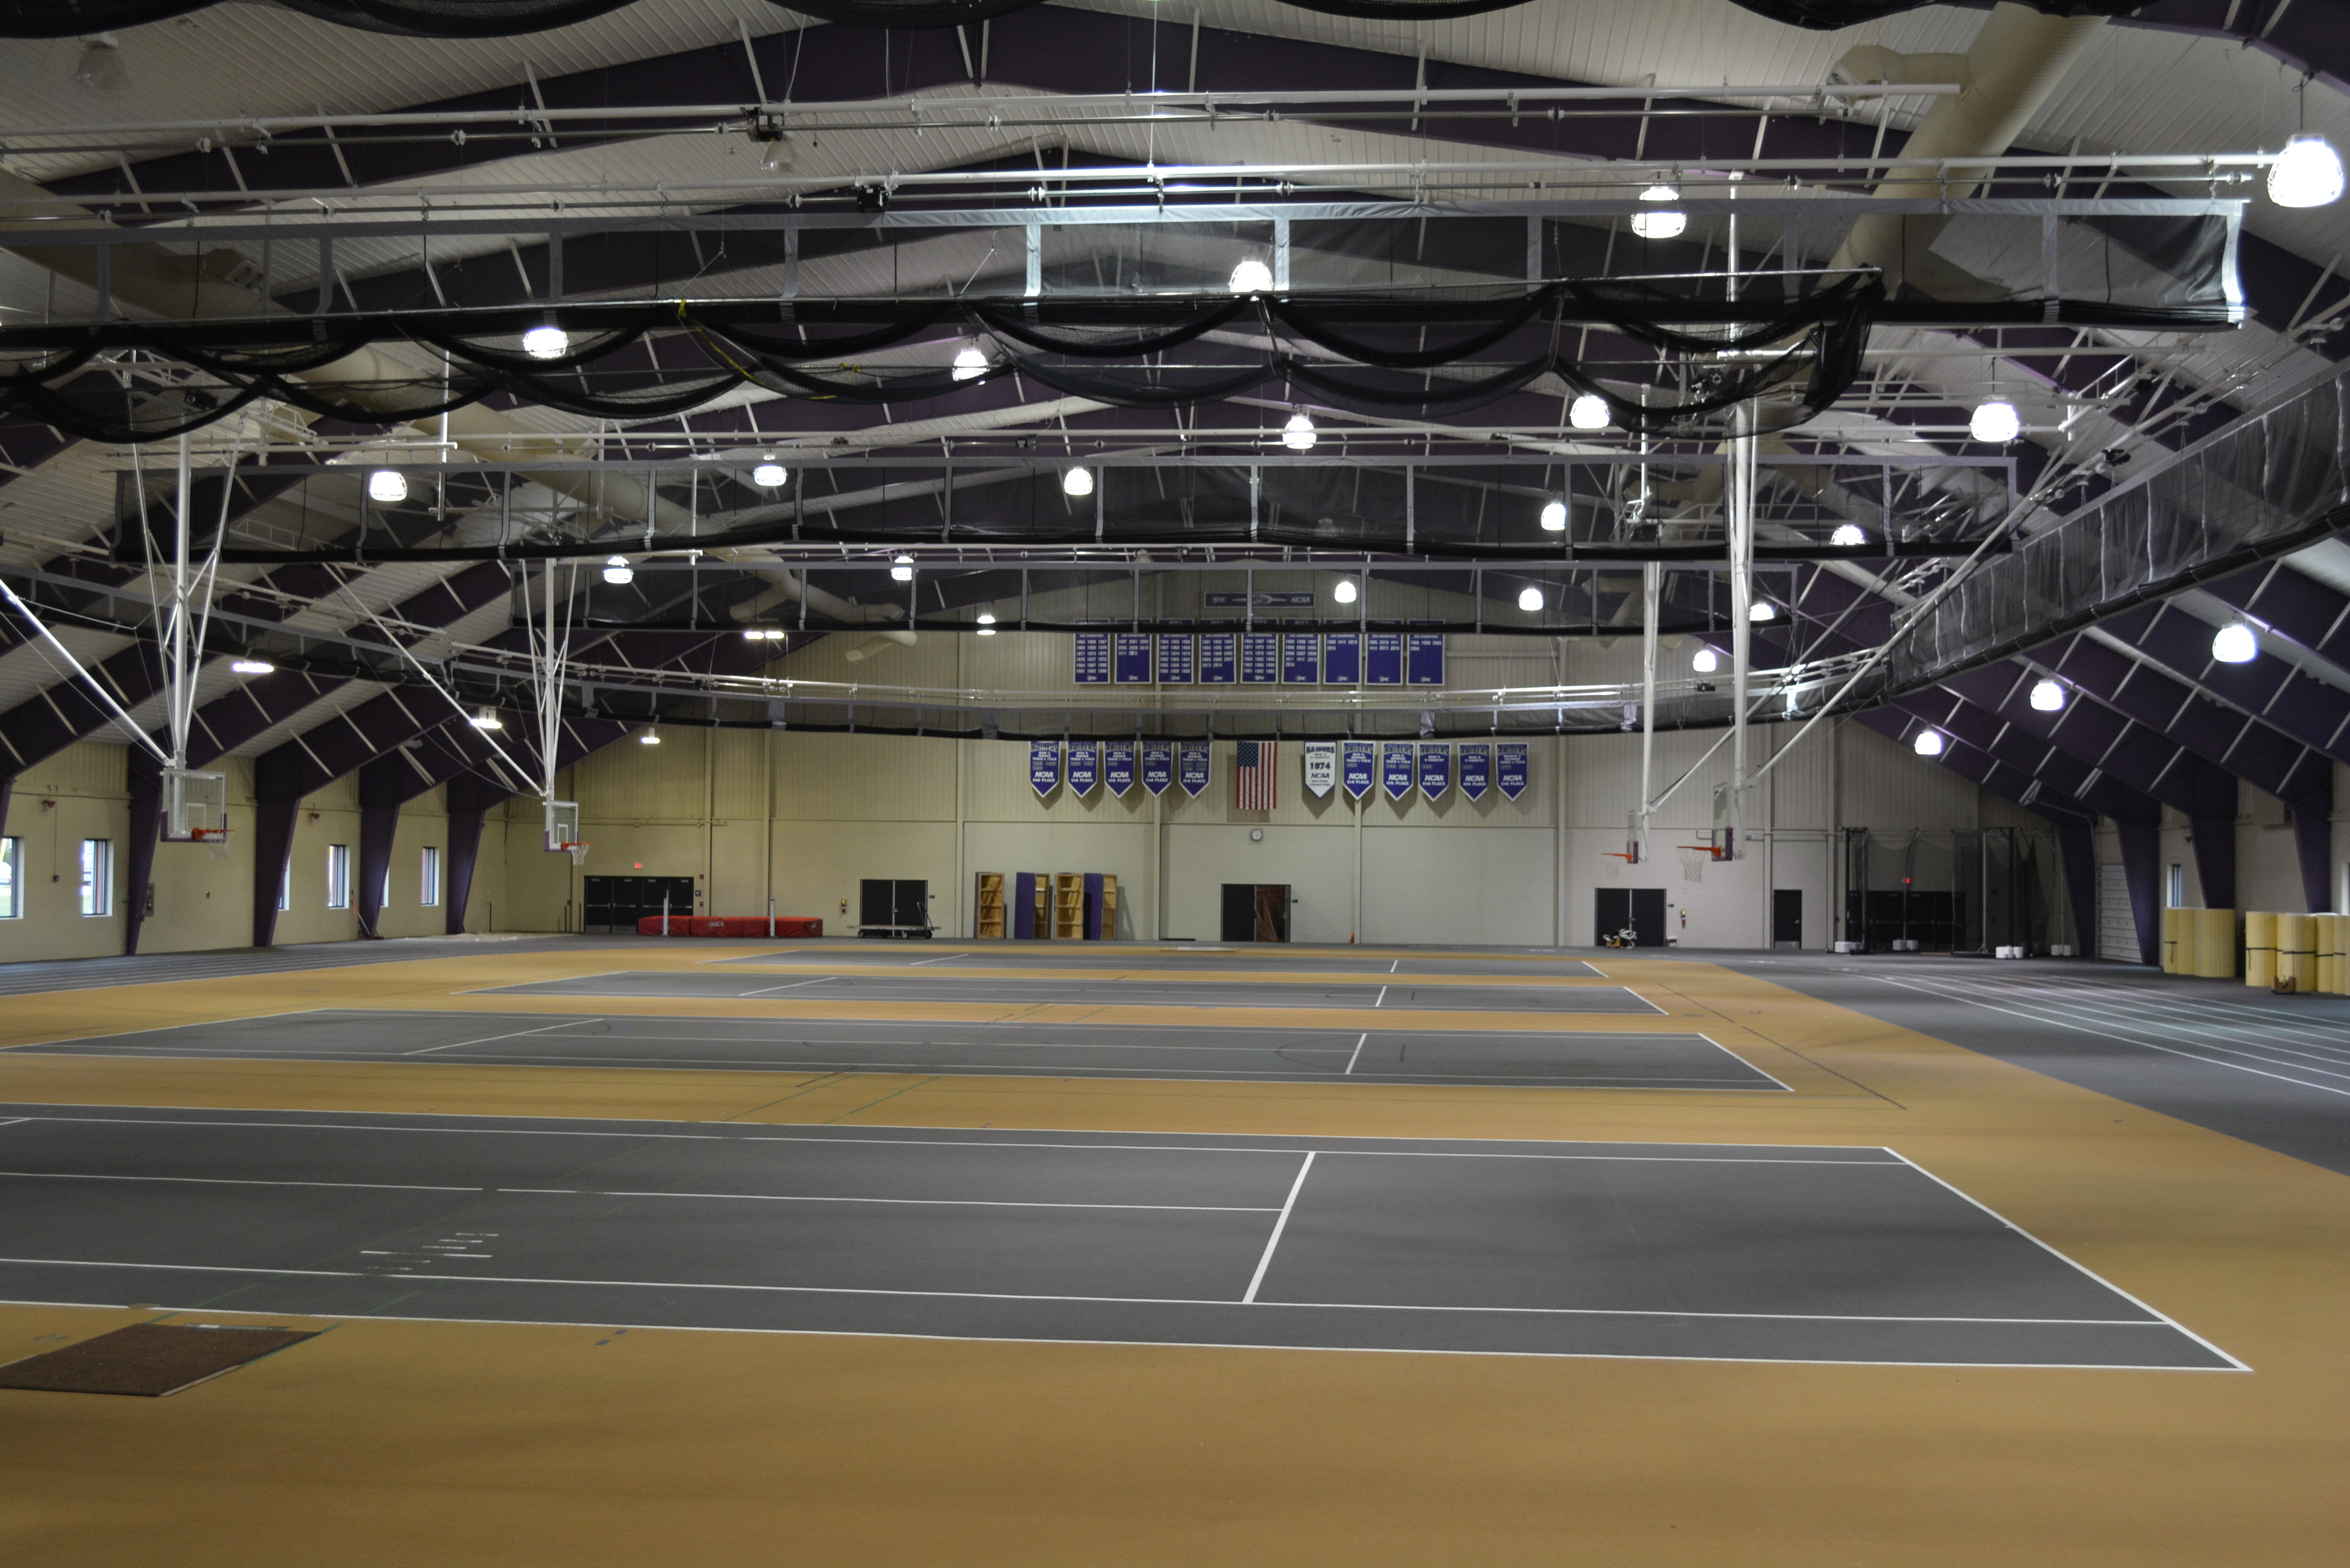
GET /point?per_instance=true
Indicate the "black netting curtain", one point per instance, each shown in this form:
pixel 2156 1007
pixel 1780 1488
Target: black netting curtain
pixel 155 380
pixel 500 18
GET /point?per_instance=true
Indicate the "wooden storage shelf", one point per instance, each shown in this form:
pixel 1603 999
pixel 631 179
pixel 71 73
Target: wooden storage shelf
pixel 989 920
pixel 1068 907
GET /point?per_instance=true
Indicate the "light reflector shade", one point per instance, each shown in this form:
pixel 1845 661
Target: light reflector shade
pixel 1705 661
pixel 970 363
pixel 1530 599
pixel 1660 226
pixel 1252 277
pixel 2235 644
pixel 1849 536
pixel 901 570
pixel 251 667
pixel 986 624
pixel 1553 517
pixel 1995 421
pixel 387 485
pixel 768 475
pixel 1077 482
pixel 1928 743
pixel 549 342
pixel 2308 173
pixel 2047 695
pixel 617 572
pixel 1588 413
pixel 1344 590
pixel 1298 434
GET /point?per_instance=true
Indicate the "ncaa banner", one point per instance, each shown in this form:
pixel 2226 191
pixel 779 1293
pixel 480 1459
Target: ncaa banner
pixel 1476 769
pixel 1435 769
pixel 1117 765
pixel 1193 767
pixel 1158 766
pixel 1510 768
pixel 1321 767
pixel 1085 766
pixel 1359 768
pixel 1394 769
pixel 1043 767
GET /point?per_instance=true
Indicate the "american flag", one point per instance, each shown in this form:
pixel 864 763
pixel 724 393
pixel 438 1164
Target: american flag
pixel 1252 773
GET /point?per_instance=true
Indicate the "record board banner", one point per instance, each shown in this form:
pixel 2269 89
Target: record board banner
pixel 1321 767
pixel 1510 768
pixel 1383 659
pixel 1158 766
pixel 1260 659
pixel 1301 658
pixel 1360 768
pixel 1175 659
pixel 1130 658
pixel 1396 769
pixel 1091 654
pixel 1085 766
pixel 1476 768
pixel 1219 658
pixel 1435 769
pixel 1191 766
pixel 1043 767
pixel 1342 657
pixel 1117 765
pixel 1424 658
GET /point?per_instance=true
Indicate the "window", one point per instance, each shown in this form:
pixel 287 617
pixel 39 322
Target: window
pixel 2174 891
pixel 12 878
pixel 285 884
pixel 97 876
pixel 339 876
pixel 429 877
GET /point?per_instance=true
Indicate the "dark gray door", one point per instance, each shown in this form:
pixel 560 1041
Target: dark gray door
pixel 1787 917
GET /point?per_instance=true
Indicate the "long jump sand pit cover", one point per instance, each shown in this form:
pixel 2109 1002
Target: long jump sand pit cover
pixel 148 1358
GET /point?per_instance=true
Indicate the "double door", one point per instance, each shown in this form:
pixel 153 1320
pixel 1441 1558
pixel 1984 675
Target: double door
pixel 614 904
pixel 1640 910
pixel 1256 912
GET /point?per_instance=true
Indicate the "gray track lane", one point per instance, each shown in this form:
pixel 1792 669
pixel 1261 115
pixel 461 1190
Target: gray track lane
pixel 715 984
pixel 1239 960
pixel 1026 1050
pixel 1704 1250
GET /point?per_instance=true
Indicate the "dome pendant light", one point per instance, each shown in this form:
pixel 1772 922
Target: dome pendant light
pixel 1660 225
pixel 2307 174
pixel 1530 599
pixel 1078 483
pixel 1553 517
pixel 1250 277
pixel 901 570
pixel 387 485
pixel 986 623
pixel 1344 590
pixel 970 364
pixel 1705 661
pixel 547 342
pixel 1298 434
pixel 1588 413
pixel 1928 743
pixel 2235 644
pixel 768 475
pixel 1995 421
pixel 617 572
pixel 2047 695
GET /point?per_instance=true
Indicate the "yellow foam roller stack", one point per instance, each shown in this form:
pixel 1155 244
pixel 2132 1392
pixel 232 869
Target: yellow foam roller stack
pixel 2296 951
pixel 2260 948
pixel 2215 943
pixel 2330 963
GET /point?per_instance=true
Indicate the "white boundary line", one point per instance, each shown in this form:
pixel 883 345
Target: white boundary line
pixel 2081 1268
pixel 603 1324
pixel 1265 1260
pixel 1357 1055
pixel 510 1034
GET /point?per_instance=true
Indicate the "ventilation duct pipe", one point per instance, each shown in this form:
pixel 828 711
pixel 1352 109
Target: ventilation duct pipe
pixel 176 287
pixel 879 643
pixel 2015 62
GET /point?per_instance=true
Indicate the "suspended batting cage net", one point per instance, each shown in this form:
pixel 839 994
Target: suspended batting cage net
pixel 1969 893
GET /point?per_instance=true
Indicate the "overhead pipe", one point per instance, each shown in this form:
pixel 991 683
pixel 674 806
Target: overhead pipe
pixel 160 283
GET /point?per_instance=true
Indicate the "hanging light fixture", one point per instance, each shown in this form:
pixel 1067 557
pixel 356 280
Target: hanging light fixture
pixel 547 342
pixel 487 719
pixel 768 475
pixel 617 572
pixel 1077 482
pixel 2047 695
pixel 649 739
pixel 986 624
pixel 1343 590
pixel 2307 174
pixel 251 667
pixel 1252 277
pixel 1553 517
pixel 1664 224
pixel 2235 644
pixel 1530 599
pixel 1995 421
pixel 970 363
pixel 387 485
pixel 1298 434
pixel 100 67
pixel 1928 743
pixel 1849 535
pixel 901 570
pixel 765 634
pixel 1761 609
pixel 1588 413
pixel 1705 661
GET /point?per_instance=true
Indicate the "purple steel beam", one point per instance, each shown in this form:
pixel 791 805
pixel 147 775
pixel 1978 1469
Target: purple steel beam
pixel 379 825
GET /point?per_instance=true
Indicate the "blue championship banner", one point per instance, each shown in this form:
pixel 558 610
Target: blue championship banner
pixel 1356 771
pixel 1219 658
pixel 1092 659
pixel 1476 768
pixel 1117 765
pixel 1193 768
pixel 1510 768
pixel 1424 658
pixel 1158 766
pixel 1301 659
pixel 1260 659
pixel 1175 659
pixel 1043 767
pixel 1130 658
pixel 1085 766
pixel 1383 659
pixel 1435 769
pixel 1342 657
pixel 1396 769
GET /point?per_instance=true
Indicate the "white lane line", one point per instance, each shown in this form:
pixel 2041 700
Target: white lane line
pixel 2157 1322
pixel 2235 1039
pixel 945 1202
pixel 942 958
pixel 2033 1017
pixel 1265 1262
pixel 232 1181
pixel 1359 1051
pixel 1381 997
pixel 768 990
pixel 517 1035
pixel 1395 968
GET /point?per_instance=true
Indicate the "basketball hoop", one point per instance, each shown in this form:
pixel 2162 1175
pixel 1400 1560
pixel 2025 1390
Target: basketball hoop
pixel 579 853
pixel 1694 860
pixel 195 807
